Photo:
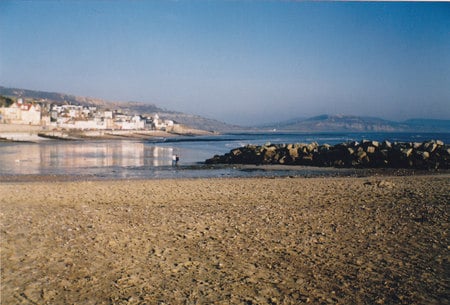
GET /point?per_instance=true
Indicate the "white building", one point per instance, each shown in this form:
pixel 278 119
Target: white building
pixel 129 123
pixel 108 114
pixel 162 124
pixel 31 114
pixel 21 113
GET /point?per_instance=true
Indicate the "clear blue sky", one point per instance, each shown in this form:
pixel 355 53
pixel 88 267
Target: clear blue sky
pixel 235 61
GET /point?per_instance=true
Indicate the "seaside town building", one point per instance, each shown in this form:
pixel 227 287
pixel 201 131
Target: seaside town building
pixel 78 117
pixel 162 124
pixel 21 113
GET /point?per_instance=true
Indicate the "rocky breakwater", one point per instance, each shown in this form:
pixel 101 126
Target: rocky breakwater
pixel 432 154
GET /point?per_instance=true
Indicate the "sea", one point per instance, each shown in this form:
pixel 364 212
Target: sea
pixel 152 159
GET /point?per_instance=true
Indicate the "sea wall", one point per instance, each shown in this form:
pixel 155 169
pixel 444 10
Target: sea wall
pixel 432 154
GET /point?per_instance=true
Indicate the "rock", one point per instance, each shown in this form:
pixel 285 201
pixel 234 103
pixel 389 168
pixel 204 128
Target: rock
pixel 312 147
pixel 386 145
pixel 361 154
pixel 423 154
pixel 236 152
pixel 416 145
pixel 368 154
pixel 269 154
pixel 370 149
pixel 324 148
pixel 293 153
pixel 430 146
pixel 407 152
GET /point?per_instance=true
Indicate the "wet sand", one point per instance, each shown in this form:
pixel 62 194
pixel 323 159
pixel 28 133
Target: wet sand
pixel 367 240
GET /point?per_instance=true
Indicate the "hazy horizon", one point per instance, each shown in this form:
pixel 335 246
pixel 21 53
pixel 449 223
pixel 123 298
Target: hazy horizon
pixel 240 62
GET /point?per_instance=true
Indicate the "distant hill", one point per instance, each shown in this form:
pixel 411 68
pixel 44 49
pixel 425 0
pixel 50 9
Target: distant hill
pixel 321 123
pixel 190 120
pixel 348 123
pixel 429 124
pixel 62 98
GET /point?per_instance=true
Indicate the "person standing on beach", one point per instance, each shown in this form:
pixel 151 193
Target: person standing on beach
pixel 175 160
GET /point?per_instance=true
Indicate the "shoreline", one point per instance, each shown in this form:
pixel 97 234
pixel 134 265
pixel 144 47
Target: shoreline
pixel 252 171
pixel 32 133
pixel 346 240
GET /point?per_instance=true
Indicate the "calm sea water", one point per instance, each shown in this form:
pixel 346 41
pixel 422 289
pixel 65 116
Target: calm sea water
pixel 153 159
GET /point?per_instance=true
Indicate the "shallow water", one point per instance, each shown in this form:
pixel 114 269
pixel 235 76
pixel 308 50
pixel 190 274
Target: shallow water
pixel 153 159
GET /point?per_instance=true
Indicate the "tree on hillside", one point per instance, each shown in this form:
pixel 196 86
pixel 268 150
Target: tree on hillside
pixel 5 101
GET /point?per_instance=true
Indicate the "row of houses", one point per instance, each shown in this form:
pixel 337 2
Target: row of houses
pixel 78 117
pixel 21 113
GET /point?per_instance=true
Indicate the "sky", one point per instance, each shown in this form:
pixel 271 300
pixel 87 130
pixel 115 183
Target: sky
pixel 241 62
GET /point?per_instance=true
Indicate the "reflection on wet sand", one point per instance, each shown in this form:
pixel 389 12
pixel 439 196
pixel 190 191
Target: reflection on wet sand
pixel 51 157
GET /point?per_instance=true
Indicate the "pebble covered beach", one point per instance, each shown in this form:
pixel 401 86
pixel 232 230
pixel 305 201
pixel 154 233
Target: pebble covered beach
pixel 366 240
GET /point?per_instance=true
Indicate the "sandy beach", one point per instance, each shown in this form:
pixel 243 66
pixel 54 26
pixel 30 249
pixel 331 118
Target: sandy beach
pixel 367 240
